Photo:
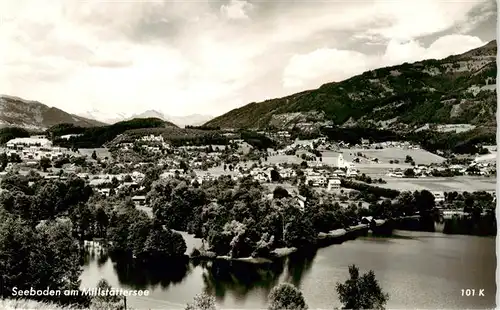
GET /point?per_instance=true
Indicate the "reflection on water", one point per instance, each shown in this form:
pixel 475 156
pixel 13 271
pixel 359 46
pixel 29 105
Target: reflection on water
pixel 238 279
pixel 418 269
pixel 140 277
pixel 222 278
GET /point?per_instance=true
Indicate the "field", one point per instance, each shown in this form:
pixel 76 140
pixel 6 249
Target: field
pixel 291 159
pixel 492 157
pixel 461 183
pixel 385 155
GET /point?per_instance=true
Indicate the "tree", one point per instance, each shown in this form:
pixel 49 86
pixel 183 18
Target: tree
pixel 46 256
pixel 424 201
pixel 361 292
pixel 409 173
pixel 102 221
pixel 114 182
pixel 183 166
pixel 138 234
pixel 4 160
pixel 286 296
pixel 127 178
pixel 162 243
pixel 82 218
pixel 275 176
pixel 15 158
pixel 202 301
pixel 94 155
pixel 280 192
pixel 106 301
pixel 299 231
pixel 408 159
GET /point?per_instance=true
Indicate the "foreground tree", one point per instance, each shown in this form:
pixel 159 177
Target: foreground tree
pixel 41 257
pixel 202 301
pixel 110 302
pixel 361 292
pixel 286 296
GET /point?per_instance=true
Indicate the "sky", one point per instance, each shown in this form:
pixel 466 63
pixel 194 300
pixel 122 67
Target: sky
pixel 209 57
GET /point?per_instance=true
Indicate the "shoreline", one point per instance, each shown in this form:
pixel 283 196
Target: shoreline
pixel 336 236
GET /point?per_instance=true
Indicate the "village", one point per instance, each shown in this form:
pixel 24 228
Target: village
pixel 317 163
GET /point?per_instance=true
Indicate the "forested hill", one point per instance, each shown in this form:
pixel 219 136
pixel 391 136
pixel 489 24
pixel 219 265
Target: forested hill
pixel 457 89
pixel 96 137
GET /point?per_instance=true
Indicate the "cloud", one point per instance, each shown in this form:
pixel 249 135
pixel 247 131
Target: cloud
pixel 208 56
pixel 322 65
pixel 431 17
pixel 236 9
pixel 476 16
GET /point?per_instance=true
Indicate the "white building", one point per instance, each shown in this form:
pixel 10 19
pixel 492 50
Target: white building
pixel 21 143
pixel 342 163
pixel 438 196
pixel 139 200
pixel 333 184
pixel 67 137
pixel 316 180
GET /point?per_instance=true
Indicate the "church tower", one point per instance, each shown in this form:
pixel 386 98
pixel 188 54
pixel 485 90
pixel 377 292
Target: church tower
pixel 340 161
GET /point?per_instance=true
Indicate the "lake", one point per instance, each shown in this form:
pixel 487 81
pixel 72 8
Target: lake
pixel 418 270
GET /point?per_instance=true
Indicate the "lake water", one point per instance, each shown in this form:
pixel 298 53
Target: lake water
pixel 418 269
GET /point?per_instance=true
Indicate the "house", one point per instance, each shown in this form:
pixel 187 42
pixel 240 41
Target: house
pixel 139 200
pixel 333 184
pixel 316 180
pixel 130 185
pixel 104 191
pixel 351 173
pixel 67 137
pixel 339 172
pixel 261 177
pixel 301 200
pixel 369 220
pixel 97 182
pixel 438 196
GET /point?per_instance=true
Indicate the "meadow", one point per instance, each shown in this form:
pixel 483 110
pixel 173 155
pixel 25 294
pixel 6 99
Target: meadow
pixel 459 183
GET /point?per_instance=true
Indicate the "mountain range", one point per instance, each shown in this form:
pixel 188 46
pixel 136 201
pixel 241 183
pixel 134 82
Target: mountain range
pixel 18 112
pixel 34 115
pixel 191 120
pixel 456 89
